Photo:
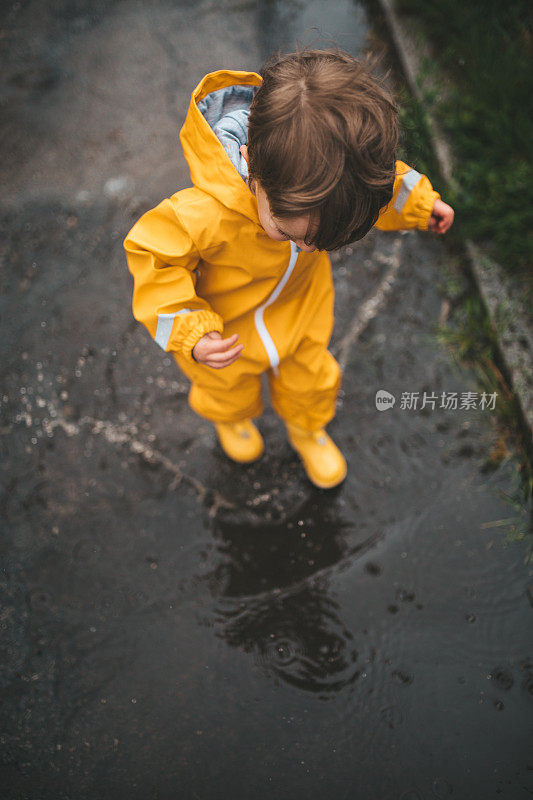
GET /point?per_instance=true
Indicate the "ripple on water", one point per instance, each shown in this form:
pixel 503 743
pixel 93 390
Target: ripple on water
pixel 40 599
pixel 485 594
pixel 86 551
pixel 412 794
pixel 391 716
pixel 402 678
pixel 280 653
pixel 527 685
pixel 321 668
pixel 442 788
pixel 110 602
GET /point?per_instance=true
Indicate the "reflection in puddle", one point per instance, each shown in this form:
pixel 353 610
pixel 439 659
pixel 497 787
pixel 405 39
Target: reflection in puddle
pixel 296 636
pixel 273 599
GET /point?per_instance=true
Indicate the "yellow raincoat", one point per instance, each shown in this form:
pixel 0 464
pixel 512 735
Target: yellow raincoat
pixel 202 262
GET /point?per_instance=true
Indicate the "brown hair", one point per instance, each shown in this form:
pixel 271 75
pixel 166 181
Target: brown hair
pixel 322 137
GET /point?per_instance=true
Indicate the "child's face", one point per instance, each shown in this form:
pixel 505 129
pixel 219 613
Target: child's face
pixel 294 228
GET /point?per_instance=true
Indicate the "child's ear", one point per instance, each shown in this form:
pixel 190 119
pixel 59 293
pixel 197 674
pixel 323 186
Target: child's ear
pixel 244 152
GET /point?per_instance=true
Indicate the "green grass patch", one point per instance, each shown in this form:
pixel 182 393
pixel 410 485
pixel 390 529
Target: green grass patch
pixel 484 48
pixel 414 146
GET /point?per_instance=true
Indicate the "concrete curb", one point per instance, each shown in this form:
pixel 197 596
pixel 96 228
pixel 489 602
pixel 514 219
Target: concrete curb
pixel 512 325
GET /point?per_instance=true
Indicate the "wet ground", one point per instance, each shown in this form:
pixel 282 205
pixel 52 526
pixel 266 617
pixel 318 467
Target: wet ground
pixel 174 625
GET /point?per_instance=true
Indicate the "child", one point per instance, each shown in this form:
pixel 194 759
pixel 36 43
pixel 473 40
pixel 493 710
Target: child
pixel 232 276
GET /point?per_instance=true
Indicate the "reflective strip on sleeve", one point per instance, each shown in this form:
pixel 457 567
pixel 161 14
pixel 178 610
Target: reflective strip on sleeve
pixel 409 182
pixel 164 327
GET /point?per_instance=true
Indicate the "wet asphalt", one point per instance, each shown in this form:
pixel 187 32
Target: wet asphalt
pixel 174 625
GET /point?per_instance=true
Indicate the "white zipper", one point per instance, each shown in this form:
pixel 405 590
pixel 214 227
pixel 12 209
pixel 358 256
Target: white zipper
pixel 266 338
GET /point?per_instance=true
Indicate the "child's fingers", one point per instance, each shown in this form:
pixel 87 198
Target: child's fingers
pixel 212 345
pixel 441 218
pixel 214 351
pixel 230 341
pixel 440 224
pixel 220 345
pixel 226 354
pixel 223 359
pixel 221 364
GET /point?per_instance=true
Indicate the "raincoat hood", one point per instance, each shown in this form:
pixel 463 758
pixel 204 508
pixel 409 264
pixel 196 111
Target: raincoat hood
pixel 215 127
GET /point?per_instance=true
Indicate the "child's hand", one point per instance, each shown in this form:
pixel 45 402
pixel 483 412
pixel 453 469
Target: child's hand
pixel 214 351
pixel 441 217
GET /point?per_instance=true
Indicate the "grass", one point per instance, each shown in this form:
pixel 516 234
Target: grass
pixel 484 48
pixel 414 146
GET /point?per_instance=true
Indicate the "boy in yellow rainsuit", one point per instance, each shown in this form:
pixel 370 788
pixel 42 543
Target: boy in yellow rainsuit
pixel 232 275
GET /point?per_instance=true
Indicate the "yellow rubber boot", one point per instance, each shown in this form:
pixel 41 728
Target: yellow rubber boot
pixel 241 441
pixel 323 461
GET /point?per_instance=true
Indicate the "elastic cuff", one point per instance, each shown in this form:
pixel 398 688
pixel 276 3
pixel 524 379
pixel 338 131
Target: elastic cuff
pixel 424 209
pixel 192 328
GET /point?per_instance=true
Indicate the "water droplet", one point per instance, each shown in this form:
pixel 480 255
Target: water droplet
pixel 280 652
pixel 405 596
pixel 86 550
pixel 402 677
pixel 502 677
pixel 441 788
pixel 391 716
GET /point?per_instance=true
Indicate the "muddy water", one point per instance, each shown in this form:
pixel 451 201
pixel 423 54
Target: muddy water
pixel 174 625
